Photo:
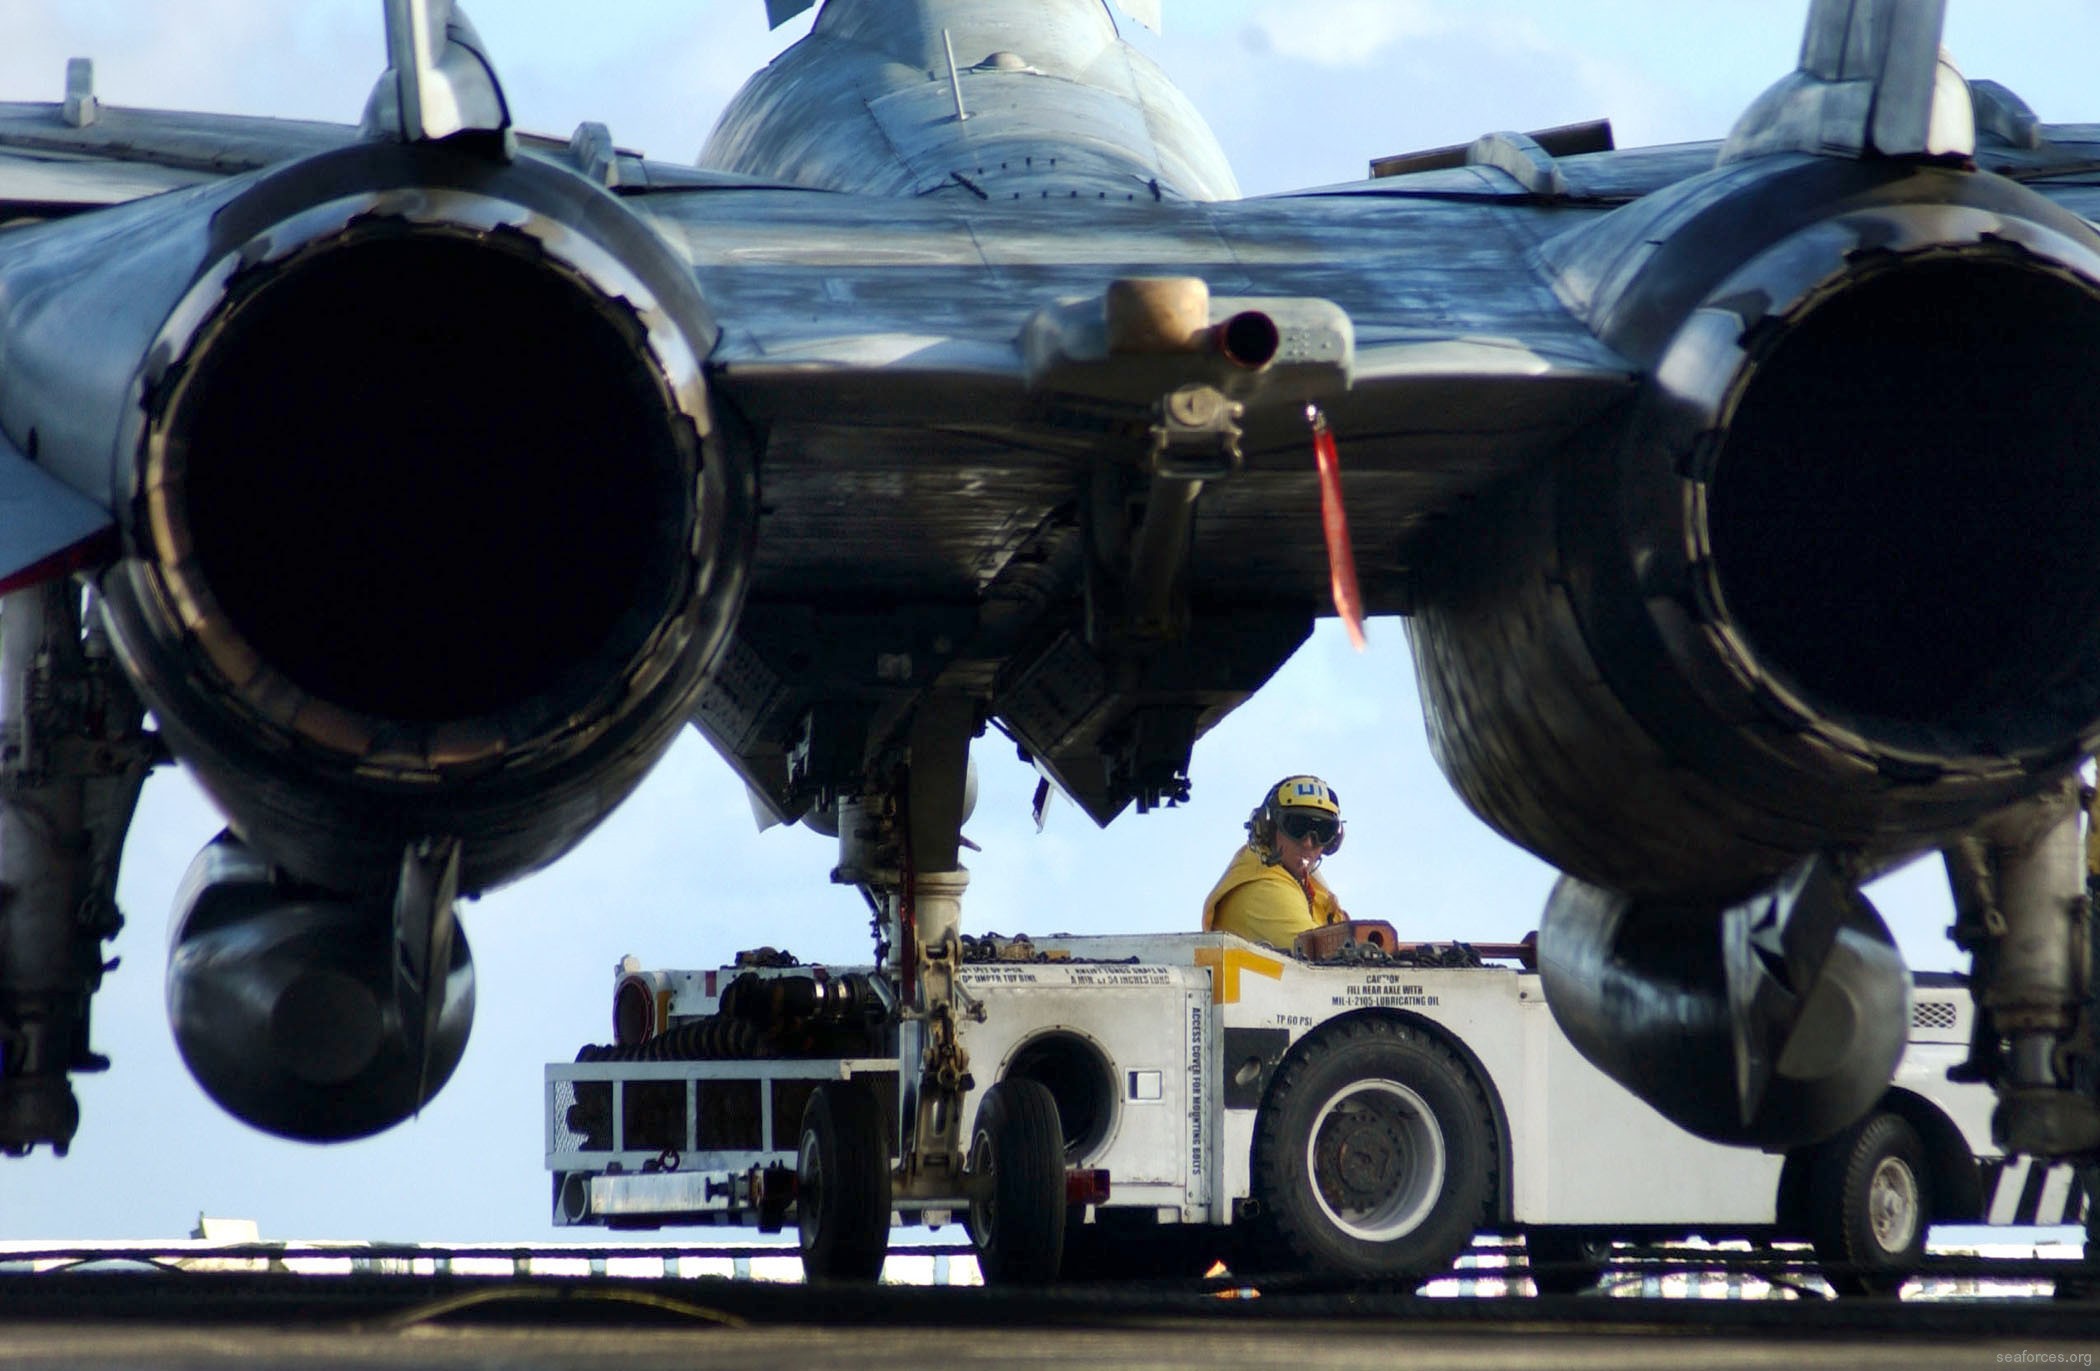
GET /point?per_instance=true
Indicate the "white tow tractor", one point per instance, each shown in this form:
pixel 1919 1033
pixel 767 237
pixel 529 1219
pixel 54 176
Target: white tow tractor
pixel 1144 1105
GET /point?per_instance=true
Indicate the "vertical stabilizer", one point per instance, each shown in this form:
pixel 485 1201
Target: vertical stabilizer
pixel 438 83
pixel 1872 82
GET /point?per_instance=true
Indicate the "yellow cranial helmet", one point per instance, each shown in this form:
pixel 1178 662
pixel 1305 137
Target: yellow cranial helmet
pixel 1305 793
pixel 1298 805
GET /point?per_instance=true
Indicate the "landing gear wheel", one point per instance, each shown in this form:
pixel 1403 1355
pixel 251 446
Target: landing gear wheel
pixel 1870 1197
pixel 1375 1154
pixel 842 1185
pixel 1017 1184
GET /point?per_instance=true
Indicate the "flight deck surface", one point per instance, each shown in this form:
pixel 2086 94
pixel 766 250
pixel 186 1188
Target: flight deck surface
pixel 103 1316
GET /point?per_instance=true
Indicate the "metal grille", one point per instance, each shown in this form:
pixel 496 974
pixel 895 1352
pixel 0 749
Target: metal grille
pixel 790 1098
pixel 1932 1014
pixel 727 1117
pixel 653 1116
pixel 582 1116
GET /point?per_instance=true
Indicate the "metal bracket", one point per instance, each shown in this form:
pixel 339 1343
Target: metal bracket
pixel 81 107
pixel 826 755
pixel 1148 757
pixel 1519 156
pixel 1144 338
pixel 593 153
pixel 1196 434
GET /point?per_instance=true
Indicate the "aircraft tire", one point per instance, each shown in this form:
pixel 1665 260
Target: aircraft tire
pixel 1870 1198
pixel 1375 1154
pixel 1016 1181
pixel 842 1184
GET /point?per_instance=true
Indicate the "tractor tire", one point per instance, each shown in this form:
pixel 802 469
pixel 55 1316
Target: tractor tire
pixel 1375 1154
pixel 1870 1199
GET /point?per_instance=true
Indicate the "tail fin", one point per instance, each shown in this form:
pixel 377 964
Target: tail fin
pixel 438 81
pixel 1872 81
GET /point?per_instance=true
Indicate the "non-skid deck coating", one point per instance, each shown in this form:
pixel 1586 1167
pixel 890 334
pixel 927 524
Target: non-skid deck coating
pixel 180 1321
pixel 1308 1346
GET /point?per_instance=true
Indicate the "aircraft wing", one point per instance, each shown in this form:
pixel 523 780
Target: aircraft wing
pixel 53 163
pixel 50 165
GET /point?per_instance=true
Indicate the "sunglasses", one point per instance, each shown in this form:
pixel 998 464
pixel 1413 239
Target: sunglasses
pixel 1303 826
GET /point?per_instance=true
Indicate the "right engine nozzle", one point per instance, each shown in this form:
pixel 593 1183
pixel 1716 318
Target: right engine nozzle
pixel 1832 585
pixel 283 1002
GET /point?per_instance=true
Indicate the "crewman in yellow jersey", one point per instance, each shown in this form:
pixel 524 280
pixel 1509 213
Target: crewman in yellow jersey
pixel 1269 893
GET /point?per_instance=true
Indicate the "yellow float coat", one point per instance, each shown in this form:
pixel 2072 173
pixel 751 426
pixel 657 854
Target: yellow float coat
pixel 1266 904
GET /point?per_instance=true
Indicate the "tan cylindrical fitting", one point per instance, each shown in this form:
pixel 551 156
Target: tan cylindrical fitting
pixel 1157 314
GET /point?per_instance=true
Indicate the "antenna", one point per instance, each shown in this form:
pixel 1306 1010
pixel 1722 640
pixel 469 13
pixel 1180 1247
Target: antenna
pixel 954 77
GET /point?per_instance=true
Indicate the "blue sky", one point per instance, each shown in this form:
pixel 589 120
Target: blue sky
pixel 1302 93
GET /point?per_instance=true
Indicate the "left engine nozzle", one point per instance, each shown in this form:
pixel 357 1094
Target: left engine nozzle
pixel 427 528
pixel 283 1003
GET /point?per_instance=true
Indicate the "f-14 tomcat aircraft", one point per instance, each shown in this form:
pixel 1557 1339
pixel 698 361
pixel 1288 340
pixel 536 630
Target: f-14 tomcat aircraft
pixel 420 480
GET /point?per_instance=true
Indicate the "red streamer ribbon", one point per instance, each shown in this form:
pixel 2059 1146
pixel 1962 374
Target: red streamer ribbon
pixel 1334 522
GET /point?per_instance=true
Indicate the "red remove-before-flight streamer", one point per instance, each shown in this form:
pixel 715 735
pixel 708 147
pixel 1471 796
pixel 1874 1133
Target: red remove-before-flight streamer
pixel 1334 522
